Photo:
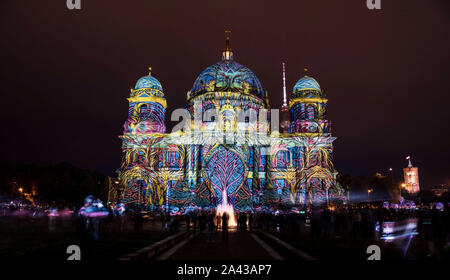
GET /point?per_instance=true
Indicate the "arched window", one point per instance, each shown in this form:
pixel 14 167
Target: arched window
pixel 302 111
pixel 310 112
pixel 143 111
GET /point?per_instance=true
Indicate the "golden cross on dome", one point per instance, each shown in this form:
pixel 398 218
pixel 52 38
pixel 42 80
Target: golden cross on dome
pixel 227 40
pixel 149 70
pixel 306 70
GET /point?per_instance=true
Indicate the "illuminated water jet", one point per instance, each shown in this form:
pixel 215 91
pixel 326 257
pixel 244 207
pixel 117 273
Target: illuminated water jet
pixel 224 207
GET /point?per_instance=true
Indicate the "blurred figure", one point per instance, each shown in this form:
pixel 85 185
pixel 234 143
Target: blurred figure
pixel 242 222
pixel 250 221
pixel 202 222
pixel 210 227
pixel 187 220
pixel 218 221
pixel 194 220
pixel 356 222
pixel 52 214
pixel 163 221
pixel 91 212
pixel 88 222
pixel 138 221
pixel 315 223
pixel 225 227
pixel 173 223
pixel 120 212
pixel 326 222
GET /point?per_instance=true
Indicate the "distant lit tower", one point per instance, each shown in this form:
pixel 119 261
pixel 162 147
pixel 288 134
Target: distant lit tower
pixel 284 109
pixel 411 175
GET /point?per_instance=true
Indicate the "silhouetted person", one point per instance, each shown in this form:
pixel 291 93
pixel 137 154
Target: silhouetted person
pixel 174 222
pixel 218 222
pixel 315 223
pixel 194 220
pixel 138 221
pixel 210 227
pixel 326 222
pixel 163 220
pixel 187 218
pixel 356 220
pixel 225 226
pixel 243 222
pixel 202 222
pixel 85 236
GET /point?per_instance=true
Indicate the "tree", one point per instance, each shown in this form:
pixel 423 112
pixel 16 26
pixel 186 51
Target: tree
pixel 383 188
pixel 445 197
pixel 61 182
pixel 427 196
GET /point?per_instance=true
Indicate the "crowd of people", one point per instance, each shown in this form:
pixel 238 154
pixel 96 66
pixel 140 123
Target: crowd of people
pixel 432 225
pixel 207 221
pixel 364 222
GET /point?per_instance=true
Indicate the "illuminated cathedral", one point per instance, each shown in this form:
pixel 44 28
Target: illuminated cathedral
pixel 227 147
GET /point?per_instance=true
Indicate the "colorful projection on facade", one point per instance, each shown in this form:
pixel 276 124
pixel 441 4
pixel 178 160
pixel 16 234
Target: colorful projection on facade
pixel 227 151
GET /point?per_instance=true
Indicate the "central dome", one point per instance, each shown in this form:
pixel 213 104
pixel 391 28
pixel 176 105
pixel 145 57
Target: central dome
pixel 227 75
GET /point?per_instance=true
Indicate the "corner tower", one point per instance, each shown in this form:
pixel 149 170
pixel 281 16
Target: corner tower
pixel 143 128
pixel 308 107
pixel 315 155
pixel 147 107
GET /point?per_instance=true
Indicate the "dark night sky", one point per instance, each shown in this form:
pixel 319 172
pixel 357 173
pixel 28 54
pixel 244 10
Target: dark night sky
pixel 65 75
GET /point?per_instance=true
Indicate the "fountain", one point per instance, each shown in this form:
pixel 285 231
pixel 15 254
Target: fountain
pixel 227 208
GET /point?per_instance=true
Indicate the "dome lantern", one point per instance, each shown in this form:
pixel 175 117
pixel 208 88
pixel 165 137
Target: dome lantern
pixel 227 53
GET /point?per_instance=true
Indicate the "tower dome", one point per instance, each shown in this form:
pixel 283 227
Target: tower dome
pixel 148 89
pixel 148 82
pixel 308 107
pixel 306 83
pixel 147 107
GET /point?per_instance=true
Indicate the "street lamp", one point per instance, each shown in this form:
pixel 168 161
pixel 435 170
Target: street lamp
pixel 368 194
pixel 21 192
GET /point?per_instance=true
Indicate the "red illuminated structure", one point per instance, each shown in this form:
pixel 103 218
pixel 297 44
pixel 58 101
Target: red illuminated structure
pixel 411 175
